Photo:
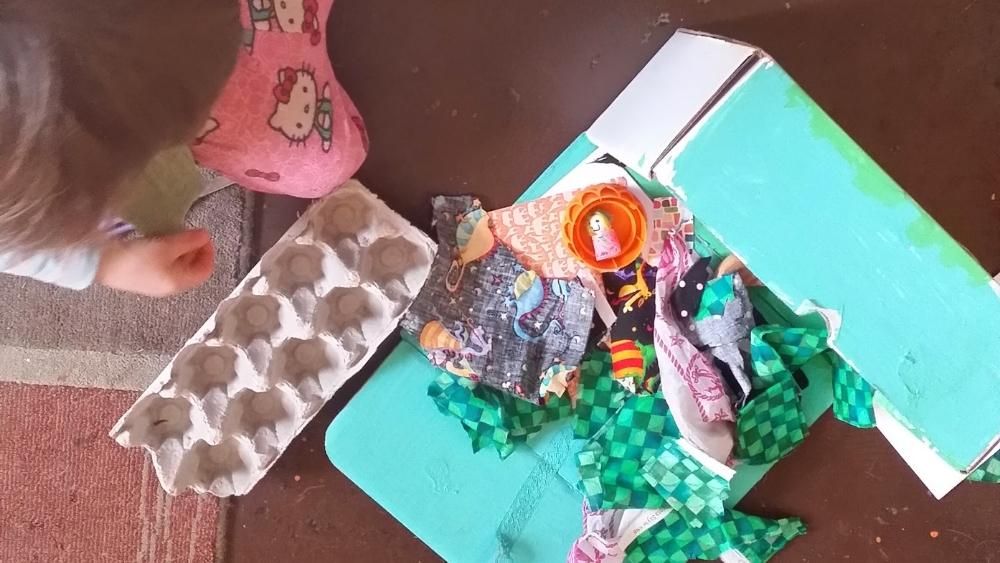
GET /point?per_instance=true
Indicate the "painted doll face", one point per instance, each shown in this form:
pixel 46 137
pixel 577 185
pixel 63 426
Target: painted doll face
pixel 599 223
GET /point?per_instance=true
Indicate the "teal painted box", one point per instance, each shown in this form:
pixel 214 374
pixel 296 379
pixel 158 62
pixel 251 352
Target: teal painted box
pixel 773 179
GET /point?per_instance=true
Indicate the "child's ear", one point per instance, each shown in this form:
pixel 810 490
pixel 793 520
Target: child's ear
pixel 281 74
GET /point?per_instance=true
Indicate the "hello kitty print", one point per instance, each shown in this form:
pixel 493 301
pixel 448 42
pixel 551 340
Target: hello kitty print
pixel 283 124
pixel 289 16
pixel 300 110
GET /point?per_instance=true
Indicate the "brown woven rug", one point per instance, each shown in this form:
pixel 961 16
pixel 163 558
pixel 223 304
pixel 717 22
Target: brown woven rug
pixel 71 494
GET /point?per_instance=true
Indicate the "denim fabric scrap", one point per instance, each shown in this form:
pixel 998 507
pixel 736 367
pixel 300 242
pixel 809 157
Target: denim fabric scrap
pixel 484 316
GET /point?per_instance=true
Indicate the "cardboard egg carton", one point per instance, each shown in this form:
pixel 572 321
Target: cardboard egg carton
pixel 305 320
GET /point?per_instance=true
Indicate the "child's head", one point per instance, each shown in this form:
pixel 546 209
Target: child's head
pixel 89 92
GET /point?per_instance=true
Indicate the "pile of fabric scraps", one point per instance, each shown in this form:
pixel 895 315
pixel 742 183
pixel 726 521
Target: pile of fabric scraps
pixel 724 377
pixel 508 340
pixel 669 399
pixel 651 495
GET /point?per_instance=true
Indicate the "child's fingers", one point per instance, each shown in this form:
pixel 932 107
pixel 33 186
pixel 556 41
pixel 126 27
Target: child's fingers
pixel 184 243
pixel 204 259
pixel 158 267
pixel 191 258
pixel 193 268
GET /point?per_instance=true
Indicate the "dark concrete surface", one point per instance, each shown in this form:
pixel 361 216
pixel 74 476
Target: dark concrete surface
pixel 478 96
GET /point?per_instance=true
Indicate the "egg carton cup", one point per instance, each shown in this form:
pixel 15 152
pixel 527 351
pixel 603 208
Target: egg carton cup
pixel 304 321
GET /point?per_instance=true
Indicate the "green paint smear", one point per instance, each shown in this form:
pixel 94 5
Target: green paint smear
pixel 925 232
pixel 873 181
pixel 868 176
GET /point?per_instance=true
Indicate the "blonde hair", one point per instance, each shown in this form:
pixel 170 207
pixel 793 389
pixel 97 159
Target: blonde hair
pixel 89 92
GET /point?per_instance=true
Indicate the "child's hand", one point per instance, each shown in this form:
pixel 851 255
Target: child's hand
pixel 160 266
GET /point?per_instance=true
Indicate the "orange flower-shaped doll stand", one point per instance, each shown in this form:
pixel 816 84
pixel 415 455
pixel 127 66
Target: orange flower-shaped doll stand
pixel 625 216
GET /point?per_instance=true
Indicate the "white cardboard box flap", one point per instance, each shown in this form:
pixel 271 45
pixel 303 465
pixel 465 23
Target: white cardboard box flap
pixel 686 76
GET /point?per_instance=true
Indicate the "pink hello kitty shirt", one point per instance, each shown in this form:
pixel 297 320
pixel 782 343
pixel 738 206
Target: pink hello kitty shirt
pixel 283 124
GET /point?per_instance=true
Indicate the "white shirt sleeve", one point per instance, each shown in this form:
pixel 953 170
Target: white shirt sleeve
pixel 73 269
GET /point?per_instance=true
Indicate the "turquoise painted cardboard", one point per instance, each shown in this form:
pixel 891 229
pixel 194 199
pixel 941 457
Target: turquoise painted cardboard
pixel 819 222
pixel 461 504
pixel 392 441
pixel 418 464
pixel 814 217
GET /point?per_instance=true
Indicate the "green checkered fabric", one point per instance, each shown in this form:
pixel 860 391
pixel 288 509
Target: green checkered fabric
pixel 717 293
pixel 760 539
pixel 610 463
pixel 600 396
pixel 672 540
pixel 777 351
pixel 493 418
pixel 988 472
pixel 770 425
pixel 690 488
pixel 852 396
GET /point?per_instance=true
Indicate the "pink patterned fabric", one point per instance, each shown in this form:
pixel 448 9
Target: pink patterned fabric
pixel 608 533
pixel 283 124
pixel 693 388
pixel 597 544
